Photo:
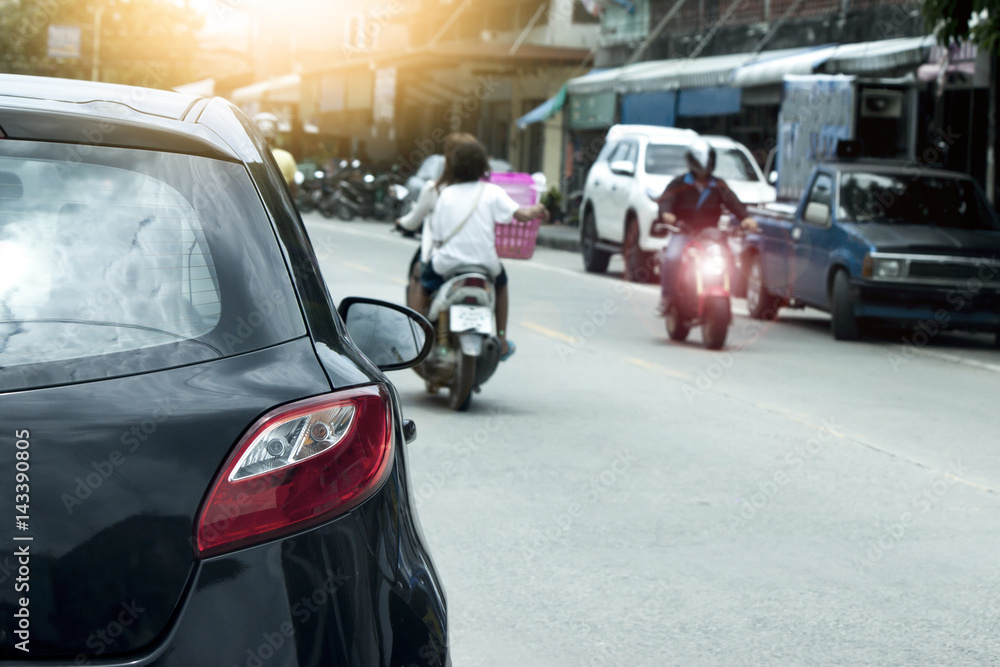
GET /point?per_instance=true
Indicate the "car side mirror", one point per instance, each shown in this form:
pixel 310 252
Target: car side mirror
pixel 623 168
pixel 772 178
pixel 817 213
pixel 392 337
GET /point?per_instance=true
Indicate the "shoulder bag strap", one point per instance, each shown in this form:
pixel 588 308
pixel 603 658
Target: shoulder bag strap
pixel 455 231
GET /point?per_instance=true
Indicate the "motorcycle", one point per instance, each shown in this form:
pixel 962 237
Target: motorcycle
pixel 310 191
pixel 468 349
pixel 362 194
pixel 703 289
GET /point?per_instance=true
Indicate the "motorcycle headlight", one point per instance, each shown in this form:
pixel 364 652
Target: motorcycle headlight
pixel 713 262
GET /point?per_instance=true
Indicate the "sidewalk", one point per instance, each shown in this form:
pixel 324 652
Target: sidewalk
pixel 560 237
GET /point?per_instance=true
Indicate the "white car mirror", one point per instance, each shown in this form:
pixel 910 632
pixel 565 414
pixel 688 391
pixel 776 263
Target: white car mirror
pixel 623 168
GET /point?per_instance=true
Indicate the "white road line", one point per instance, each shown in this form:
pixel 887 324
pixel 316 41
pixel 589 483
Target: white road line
pixel 964 361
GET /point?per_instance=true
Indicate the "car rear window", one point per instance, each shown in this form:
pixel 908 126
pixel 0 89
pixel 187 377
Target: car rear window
pixel 120 261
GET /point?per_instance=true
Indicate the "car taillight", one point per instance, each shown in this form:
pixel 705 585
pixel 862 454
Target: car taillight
pixel 298 466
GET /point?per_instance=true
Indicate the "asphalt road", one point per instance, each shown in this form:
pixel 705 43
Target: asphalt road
pixel 616 499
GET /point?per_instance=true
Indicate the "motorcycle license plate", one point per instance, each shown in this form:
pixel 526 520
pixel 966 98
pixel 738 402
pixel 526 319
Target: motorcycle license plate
pixel 471 318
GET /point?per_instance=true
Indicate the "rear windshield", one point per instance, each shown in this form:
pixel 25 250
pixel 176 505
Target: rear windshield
pixel 914 200
pixel 732 164
pixel 118 261
pixel 666 159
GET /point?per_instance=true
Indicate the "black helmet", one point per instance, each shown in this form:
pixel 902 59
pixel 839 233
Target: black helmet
pixel 700 156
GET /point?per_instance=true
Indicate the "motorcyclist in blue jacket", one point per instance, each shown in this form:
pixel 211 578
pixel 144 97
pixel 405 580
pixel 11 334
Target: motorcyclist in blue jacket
pixel 696 199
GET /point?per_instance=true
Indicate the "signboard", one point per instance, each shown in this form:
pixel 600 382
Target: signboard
pixel 64 41
pixel 594 111
pixel 385 95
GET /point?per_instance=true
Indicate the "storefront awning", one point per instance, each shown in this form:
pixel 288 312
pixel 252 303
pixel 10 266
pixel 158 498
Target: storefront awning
pixel 771 71
pixel 597 81
pixel 203 88
pixel 884 56
pixel 282 89
pixel 872 58
pixel 672 74
pixel 682 73
pixel 544 111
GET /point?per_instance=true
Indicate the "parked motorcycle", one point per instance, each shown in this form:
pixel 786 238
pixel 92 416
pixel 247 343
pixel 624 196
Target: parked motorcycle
pixel 362 194
pixel 703 290
pixel 467 351
pixel 310 190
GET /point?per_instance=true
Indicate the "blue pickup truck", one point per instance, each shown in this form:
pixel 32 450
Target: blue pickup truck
pixel 876 243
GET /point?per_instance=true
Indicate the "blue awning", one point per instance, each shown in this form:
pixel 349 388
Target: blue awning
pixel 658 108
pixel 715 101
pixel 544 111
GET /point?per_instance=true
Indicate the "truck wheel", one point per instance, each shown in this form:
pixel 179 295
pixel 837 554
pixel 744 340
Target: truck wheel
pixel 716 325
pixel 639 264
pixel 760 302
pixel 843 321
pixel 594 259
pixel 677 328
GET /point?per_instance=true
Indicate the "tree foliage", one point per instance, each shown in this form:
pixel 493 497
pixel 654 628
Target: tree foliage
pixel 142 42
pixel 976 21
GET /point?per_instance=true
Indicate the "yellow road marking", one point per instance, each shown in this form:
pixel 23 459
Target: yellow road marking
pixel 656 368
pixel 357 267
pixel 551 333
pixel 399 281
pixel 802 418
pixel 968 483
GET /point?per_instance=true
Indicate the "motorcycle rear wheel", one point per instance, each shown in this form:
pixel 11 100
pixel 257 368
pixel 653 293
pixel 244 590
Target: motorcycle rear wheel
pixel 460 386
pixel 344 211
pixel 716 325
pixel 327 207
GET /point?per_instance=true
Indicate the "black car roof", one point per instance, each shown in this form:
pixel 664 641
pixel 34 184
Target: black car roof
pixel 84 112
pixel 146 101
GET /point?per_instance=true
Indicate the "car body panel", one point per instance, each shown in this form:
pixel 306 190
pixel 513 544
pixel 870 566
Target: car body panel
pixel 118 473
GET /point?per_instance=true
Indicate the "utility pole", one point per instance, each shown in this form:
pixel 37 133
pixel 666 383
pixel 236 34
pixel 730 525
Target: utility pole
pixel 95 61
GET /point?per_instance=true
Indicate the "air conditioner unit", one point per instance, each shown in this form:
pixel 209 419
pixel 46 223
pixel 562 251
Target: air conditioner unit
pixel 881 103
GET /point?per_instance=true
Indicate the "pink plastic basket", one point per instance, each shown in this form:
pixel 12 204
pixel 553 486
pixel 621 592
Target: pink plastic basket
pixel 517 239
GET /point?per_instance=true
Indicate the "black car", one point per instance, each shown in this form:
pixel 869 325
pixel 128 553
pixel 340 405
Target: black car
pixel 201 465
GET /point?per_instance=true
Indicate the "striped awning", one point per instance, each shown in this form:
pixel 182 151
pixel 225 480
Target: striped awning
pixel 885 56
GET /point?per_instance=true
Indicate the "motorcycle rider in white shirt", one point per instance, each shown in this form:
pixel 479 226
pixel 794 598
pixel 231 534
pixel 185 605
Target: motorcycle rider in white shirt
pixel 460 230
